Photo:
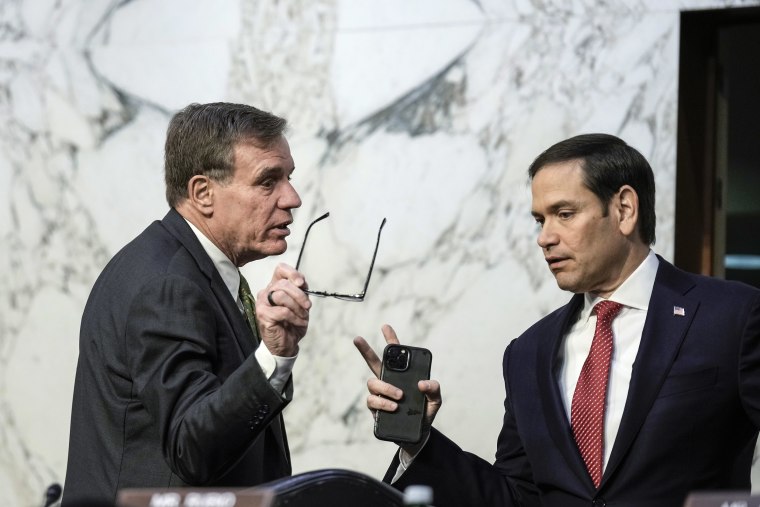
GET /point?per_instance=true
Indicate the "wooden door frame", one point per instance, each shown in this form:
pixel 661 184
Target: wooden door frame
pixel 699 191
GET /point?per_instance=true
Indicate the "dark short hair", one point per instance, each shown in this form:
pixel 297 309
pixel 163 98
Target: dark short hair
pixel 608 163
pixel 201 140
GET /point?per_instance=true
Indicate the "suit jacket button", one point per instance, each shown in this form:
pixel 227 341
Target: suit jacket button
pixel 599 502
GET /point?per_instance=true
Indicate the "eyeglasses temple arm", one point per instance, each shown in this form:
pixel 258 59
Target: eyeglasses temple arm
pixel 305 236
pixel 372 264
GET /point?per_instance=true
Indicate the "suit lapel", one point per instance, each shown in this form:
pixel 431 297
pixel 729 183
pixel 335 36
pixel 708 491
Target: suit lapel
pixel 664 331
pixel 243 334
pixel 547 373
pixel 177 226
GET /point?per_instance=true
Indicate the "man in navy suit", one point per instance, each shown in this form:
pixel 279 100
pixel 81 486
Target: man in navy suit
pixel 678 390
pixel 182 376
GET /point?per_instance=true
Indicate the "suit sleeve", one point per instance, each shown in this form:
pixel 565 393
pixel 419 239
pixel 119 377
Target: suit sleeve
pixel 460 478
pixel 206 425
pixel 511 459
pixel 749 361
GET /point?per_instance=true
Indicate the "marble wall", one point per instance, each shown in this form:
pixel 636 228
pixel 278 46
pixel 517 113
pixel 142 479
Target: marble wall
pixel 426 112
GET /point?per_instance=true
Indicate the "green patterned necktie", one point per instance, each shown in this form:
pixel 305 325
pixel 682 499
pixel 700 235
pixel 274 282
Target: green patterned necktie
pixel 249 306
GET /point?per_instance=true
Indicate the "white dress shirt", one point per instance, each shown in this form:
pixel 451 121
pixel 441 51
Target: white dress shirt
pixel 634 295
pixel 276 368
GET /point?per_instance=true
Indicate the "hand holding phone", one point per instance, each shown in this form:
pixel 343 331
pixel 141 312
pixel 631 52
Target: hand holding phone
pixel 404 366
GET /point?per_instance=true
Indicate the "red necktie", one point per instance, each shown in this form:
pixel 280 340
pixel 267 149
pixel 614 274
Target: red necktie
pixel 587 411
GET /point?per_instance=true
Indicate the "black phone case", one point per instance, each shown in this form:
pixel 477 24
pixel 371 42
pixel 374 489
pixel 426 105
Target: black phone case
pixel 405 424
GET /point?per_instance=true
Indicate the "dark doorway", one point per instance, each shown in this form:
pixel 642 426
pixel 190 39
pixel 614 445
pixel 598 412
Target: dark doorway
pixel 718 163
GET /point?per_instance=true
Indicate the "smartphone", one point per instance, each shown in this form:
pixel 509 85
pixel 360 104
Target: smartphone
pixel 403 367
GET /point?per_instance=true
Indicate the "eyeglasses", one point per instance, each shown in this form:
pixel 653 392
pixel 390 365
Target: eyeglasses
pixel 345 297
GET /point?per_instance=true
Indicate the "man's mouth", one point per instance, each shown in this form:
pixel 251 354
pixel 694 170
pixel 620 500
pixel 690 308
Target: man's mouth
pixel 555 262
pixel 283 227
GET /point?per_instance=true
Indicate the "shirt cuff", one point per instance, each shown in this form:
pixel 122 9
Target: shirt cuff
pixel 405 459
pixel 277 369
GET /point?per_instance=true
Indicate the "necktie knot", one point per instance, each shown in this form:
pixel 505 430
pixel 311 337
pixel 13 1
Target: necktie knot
pixel 607 310
pixel 245 289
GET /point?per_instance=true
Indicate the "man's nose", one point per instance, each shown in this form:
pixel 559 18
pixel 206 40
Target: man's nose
pixel 290 198
pixel 547 237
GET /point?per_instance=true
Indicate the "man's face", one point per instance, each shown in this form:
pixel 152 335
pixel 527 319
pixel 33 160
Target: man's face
pixel 585 249
pixel 252 210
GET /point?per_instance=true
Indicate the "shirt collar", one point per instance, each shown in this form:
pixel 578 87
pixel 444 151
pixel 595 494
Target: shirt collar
pixel 634 292
pixel 228 271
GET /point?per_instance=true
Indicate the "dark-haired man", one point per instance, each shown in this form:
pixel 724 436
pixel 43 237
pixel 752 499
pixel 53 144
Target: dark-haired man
pixel 644 387
pixel 182 376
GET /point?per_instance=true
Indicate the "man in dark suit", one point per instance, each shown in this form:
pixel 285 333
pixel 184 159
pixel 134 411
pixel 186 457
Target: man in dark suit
pixel 635 407
pixel 182 376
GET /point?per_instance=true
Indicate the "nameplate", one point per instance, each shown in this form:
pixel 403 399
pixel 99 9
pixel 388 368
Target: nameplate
pixel 185 497
pixel 722 499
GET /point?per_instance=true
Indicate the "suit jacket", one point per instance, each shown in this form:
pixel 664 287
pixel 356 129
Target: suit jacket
pixel 690 421
pixel 167 391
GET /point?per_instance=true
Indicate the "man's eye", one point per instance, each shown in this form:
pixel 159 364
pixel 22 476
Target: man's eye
pixel 539 222
pixel 564 215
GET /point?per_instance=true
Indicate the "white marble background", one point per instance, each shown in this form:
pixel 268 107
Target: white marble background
pixel 426 112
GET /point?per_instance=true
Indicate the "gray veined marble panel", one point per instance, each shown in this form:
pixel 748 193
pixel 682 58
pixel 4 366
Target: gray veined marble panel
pixel 370 15
pixel 415 40
pixel 281 63
pixel 167 53
pixel 361 60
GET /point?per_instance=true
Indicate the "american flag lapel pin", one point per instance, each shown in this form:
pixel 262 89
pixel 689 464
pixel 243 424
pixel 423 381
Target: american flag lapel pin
pixel 677 310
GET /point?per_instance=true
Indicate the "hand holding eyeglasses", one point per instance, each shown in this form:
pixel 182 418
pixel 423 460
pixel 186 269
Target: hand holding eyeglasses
pixel 284 323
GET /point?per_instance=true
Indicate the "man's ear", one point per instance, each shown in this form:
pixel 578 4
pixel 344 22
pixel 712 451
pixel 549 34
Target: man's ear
pixel 627 204
pixel 200 194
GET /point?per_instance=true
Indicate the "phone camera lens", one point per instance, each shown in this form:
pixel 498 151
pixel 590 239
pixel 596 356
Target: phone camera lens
pixel 397 358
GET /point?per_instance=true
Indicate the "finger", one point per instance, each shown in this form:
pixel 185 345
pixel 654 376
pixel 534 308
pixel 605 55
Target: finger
pixel 369 355
pixel 285 294
pixel 298 303
pixel 431 389
pixel 286 272
pixel 286 311
pixel 376 402
pixel 280 315
pixel 384 389
pixel 390 334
